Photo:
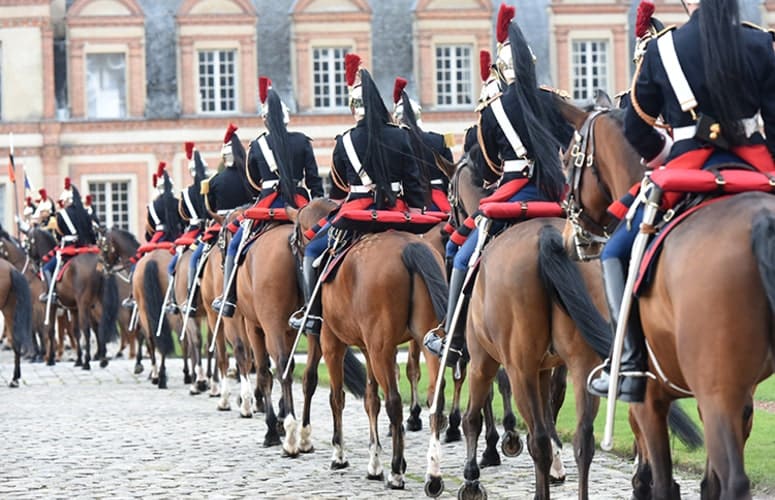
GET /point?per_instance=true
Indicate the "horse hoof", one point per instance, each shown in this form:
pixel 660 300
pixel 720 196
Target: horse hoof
pixel 339 465
pixel 162 383
pixel 193 391
pixel 78 362
pixel 511 446
pixel 138 369
pixel 376 477
pixel 453 435
pixel 14 384
pixel 472 490
pixel 413 424
pixel 245 415
pixel 155 380
pixel 51 362
pixel 490 459
pixel 273 440
pixel 201 385
pixel 118 355
pixel 556 480
pixel 434 486
pixel 306 451
pixel 395 484
pixel 215 394
pixel 260 406
pixel 187 379
pixel 86 366
pixel 224 407
pixel 103 363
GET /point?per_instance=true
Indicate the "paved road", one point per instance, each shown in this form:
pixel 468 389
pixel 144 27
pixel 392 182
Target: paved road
pixel 109 433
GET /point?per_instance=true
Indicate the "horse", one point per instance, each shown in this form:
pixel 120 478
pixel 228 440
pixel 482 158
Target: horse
pixel 16 305
pixel 389 288
pixel 707 321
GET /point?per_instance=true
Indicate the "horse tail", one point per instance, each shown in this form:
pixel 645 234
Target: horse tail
pixel 354 374
pixel 419 259
pixel 108 330
pixel 22 314
pixel 564 281
pixel 154 301
pixel 763 246
pixel 683 427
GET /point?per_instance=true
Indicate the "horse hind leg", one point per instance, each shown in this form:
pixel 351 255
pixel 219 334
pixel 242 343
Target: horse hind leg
pixel 309 385
pixel 383 366
pixel 511 445
pixel 490 456
pixel 333 351
pixel 452 434
pixel 371 404
pixel 413 422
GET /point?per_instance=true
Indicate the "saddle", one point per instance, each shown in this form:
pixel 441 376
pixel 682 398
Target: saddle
pixel 376 221
pixel 150 247
pixel 520 211
pixel 703 187
pixel 67 254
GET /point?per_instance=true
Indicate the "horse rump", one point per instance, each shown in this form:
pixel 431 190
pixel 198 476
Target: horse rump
pixel 154 301
pixel 22 315
pixel 763 247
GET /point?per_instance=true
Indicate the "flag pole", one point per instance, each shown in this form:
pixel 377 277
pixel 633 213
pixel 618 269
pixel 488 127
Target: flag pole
pixel 12 176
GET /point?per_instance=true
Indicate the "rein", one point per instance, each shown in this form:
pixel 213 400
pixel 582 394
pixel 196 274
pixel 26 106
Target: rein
pixel 582 156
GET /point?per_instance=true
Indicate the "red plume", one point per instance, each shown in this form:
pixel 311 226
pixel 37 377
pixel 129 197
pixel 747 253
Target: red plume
pixel 88 200
pixel 398 87
pixel 154 180
pixel 643 21
pixel 61 203
pixel 264 84
pixel 189 149
pixel 485 63
pixel 351 63
pixel 67 183
pixel 29 201
pixel 229 132
pixel 160 169
pixel 43 194
pixel 505 15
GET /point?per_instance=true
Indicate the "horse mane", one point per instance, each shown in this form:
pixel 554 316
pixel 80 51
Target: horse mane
pixel 126 234
pixel 4 234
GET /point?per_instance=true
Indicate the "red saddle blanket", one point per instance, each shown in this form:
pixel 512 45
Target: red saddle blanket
pixel 267 214
pixel 185 240
pixel 709 181
pixel 375 221
pixel 68 253
pixel 150 247
pixel 522 210
pixel 212 232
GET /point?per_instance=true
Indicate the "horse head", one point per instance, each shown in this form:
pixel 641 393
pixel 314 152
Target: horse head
pixel 466 187
pixel 118 245
pixel 601 166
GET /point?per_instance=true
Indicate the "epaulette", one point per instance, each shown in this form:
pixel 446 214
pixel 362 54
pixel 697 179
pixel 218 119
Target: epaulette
pixel 749 24
pixel 491 99
pixel 668 28
pixel 449 140
pixel 204 186
pixel 397 125
pixel 309 139
pixel 562 93
pixel 621 94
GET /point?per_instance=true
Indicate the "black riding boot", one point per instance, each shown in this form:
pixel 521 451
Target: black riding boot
pixel 314 318
pixel 44 296
pixel 230 294
pixel 190 282
pixel 129 302
pixel 432 341
pixel 632 382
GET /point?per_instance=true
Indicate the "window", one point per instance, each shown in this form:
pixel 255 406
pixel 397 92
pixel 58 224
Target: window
pixel 589 61
pixel 111 201
pixel 453 75
pixel 330 88
pixel 217 81
pixel 106 85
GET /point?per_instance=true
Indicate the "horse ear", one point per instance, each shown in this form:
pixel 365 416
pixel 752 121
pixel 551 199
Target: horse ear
pixel 572 114
pixel 603 100
pixel 293 213
pixel 445 165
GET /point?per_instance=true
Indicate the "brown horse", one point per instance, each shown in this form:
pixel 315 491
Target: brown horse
pixel 389 289
pixel 527 303
pixel 707 321
pixel 16 306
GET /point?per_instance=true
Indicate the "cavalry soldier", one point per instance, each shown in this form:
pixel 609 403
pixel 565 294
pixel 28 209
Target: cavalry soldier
pixel 45 211
pixel 373 164
pixel 225 191
pixel 426 146
pixel 192 210
pixel 281 166
pixel 73 227
pixel 27 221
pixel 92 211
pixel 515 143
pixel 728 70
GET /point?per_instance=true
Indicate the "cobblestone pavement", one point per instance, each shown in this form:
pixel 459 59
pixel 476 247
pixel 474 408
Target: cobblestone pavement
pixel 108 433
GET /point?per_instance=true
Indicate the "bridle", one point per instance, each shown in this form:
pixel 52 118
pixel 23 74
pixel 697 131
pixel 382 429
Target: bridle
pixel 582 156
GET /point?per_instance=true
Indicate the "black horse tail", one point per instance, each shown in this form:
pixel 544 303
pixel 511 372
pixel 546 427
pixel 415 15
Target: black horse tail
pixel 354 374
pixel 419 259
pixel 108 330
pixel 683 427
pixel 563 279
pixel 763 246
pixel 22 314
pixel 154 301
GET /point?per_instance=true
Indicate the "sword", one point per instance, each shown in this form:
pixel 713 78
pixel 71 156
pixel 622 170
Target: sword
pixel 133 318
pixel 484 228
pixel 52 285
pixel 246 226
pixel 636 256
pixel 304 318
pixel 170 286
pixel 199 266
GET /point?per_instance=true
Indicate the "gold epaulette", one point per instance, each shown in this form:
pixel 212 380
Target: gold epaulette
pixel 668 28
pixel 749 24
pixel 449 140
pixel 560 92
pixel 204 186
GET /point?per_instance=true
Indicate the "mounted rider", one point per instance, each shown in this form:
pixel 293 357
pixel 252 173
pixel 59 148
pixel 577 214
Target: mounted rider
pixel 374 168
pixel 281 166
pixel 193 211
pixel 88 204
pixel 45 211
pixel 73 228
pixel 708 81
pixel 223 192
pixel 517 146
pixel 426 145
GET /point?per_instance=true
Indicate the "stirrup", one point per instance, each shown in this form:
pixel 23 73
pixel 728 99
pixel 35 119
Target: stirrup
pixel 294 322
pixel 128 303
pixel 434 343
pixel 631 388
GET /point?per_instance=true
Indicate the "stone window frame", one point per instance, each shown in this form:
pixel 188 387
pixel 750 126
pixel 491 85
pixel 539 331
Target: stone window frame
pixel 110 178
pixel 332 108
pixel 99 50
pixel 607 64
pixel 227 31
pixel 237 75
pixel 472 72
